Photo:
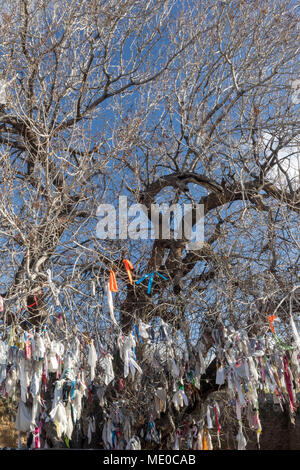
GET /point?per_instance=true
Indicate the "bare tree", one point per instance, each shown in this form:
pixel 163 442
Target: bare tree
pixel 160 102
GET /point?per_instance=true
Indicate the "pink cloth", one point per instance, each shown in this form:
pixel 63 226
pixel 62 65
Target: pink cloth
pixel 288 383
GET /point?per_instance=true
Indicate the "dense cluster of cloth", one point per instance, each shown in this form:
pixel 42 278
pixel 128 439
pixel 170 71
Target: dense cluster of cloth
pixel 247 369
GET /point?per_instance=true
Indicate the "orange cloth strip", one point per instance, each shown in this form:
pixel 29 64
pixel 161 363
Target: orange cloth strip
pixel 113 282
pixel 128 267
pixel 271 319
pixel 204 441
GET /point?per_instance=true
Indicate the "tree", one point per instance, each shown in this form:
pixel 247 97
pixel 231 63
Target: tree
pixel 160 102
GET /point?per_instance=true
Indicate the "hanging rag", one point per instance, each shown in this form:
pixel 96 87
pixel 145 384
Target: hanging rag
pixel 208 418
pixel 59 417
pixel 113 286
pixel 288 382
pixel 91 428
pixel 241 440
pixel 295 332
pixel 209 441
pixel 180 399
pixel 216 408
pixel 105 363
pixel 160 398
pixel 271 319
pixel 36 436
pixel 23 418
pixel 127 347
pixel 110 304
pixel 151 276
pixel 220 375
pixel 92 359
pixel 3 85
pixel 134 444
pixel 177 440
pixel 128 266
pixel 204 440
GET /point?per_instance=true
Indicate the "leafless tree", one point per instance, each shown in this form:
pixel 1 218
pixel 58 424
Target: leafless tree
pixel 160 101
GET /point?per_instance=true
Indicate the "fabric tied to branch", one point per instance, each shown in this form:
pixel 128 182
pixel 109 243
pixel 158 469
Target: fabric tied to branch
pixel 113 286
pixel 241 440
pixel 127 353
pixel 128 266
pixel 295 332
pixel 151 277
pixel 106 364
pixel 110 304
pixel 2 92
pixel 92 359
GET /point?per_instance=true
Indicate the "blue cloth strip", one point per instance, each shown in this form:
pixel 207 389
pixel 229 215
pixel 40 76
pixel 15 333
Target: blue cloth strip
pixel 144 277
pixel 150 283
pixel 150 280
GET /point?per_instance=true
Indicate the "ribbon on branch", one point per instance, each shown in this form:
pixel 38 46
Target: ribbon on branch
pixel 151 277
